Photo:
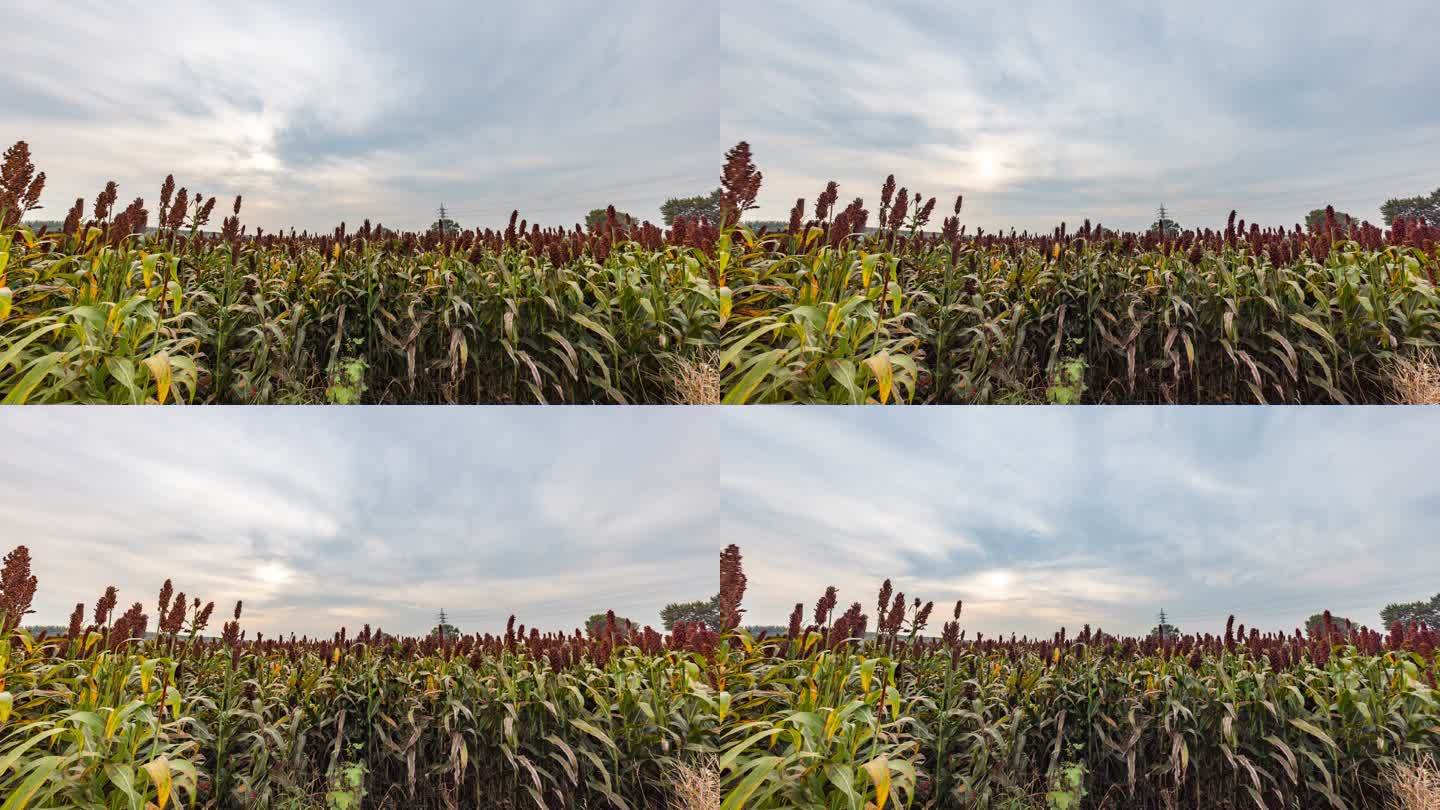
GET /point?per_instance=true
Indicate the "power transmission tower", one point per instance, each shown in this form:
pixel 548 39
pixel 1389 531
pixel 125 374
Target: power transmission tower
pixel 444 622
pixel 1164 624
pixel 444 221
pixel 1163 221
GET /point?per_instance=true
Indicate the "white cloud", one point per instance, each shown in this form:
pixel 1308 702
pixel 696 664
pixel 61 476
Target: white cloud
pixel 344 111
pixel 1099 515
pixel 316 517
pixel 1046 111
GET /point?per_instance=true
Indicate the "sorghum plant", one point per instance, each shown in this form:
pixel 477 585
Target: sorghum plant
pixel 828 716
pixel 112 716
pixel 831 311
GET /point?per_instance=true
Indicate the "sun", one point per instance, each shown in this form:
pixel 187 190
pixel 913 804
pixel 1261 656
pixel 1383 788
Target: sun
pixel 273 573
pixel 996 583
pixel 989 166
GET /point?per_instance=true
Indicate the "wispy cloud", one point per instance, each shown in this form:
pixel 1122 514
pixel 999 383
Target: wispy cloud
pixel 1034 517
pixel 1043 111
pixel 317 518
pixel 344 110
pixel 1042 517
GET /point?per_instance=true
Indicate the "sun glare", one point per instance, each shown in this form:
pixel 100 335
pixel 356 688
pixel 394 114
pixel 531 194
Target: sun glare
pixel 273 573
pixel 989 167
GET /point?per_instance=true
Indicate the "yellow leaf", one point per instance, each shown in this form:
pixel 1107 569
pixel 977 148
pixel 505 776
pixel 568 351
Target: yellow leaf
pixel 159 366
pixel 867 269
pixel 879 770
pixel 147 268
pixel 159 770
pixel 6 298
pixel 884 374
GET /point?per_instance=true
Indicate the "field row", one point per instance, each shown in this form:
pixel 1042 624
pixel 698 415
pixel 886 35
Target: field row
pixel 840 710
pixel 830 308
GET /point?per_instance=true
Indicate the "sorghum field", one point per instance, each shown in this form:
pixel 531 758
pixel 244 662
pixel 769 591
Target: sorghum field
pixel 110 716
pixel 110 310
pixel 826 310
pixel 134 708
pixel 830 715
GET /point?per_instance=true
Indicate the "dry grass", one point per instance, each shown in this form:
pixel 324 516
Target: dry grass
pixel 697 786
pixel 1417 382
pixel 696 381
pixel 1416 785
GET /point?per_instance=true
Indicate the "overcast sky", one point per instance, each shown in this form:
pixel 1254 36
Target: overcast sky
pixel 319 112
pixel 1047 111
pixel 320 518
pixel 1038 517
pixel 1037 111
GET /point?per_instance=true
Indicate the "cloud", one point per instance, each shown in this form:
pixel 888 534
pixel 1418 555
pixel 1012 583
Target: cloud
pixel 1044 517
pixel 345 111
pixel 1046 111
pixel 1034 517
pixel 318 518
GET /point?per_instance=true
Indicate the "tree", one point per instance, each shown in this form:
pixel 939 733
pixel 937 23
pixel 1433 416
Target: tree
pixel 773 225
pixel 443 628
pixel 596 219
pixel 595 625
pixel 1164 224
pixel 1406 612
pixel 706 611
pixel 1315 221
pixel 1164 630
pixel 444 224
pixel 706 207
pixel 1315 625
pixel 1426 208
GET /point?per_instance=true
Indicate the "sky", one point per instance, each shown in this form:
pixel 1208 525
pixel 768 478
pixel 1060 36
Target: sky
pixel 1045 517
pixel 1035 517
pixel 1050 111
pixel 330 111
pixel 322 518
pixel 1038 111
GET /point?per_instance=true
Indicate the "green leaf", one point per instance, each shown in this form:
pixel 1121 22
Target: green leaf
pixel 1314 731
pixel 594 732
pixel 759 367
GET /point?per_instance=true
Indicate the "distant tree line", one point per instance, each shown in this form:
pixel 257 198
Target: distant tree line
pixel 706 611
